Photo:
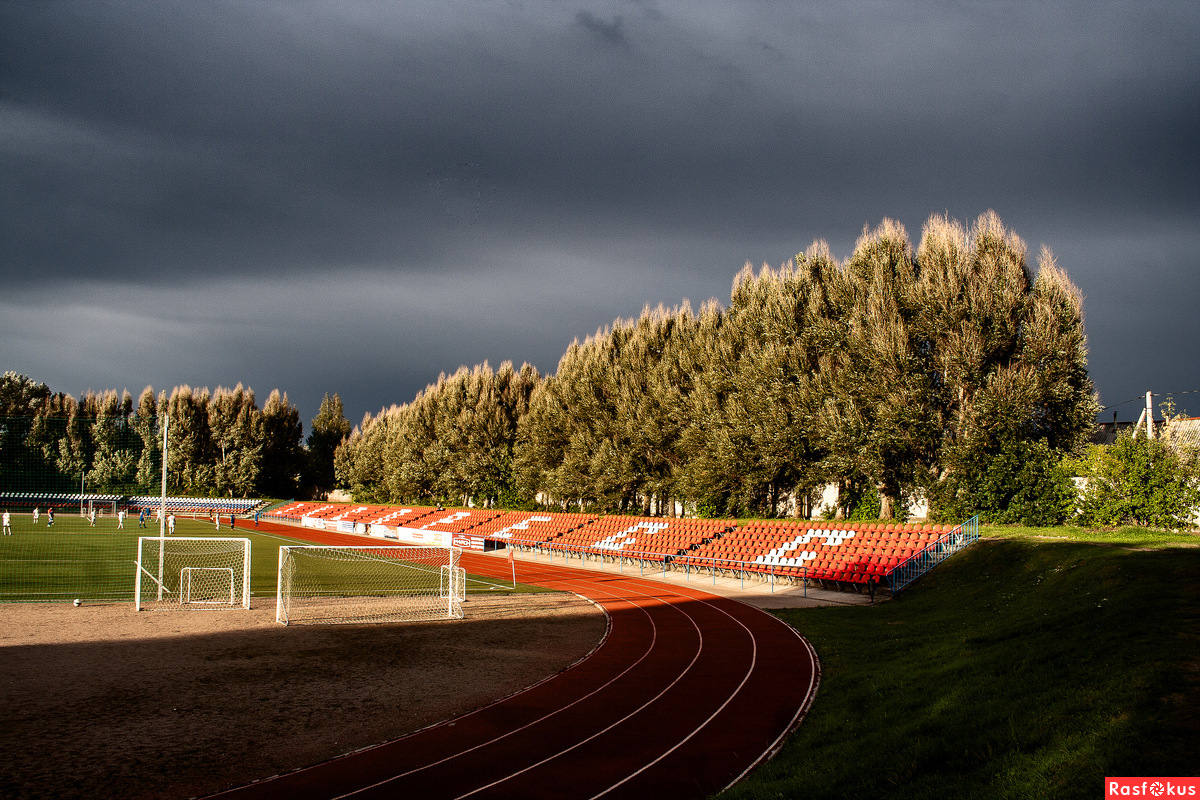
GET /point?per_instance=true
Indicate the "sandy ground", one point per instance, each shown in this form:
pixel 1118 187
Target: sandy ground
pixel 101 701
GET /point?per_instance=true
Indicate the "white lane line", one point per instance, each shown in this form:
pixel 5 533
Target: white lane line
pixel 606 684
pixel 636 711
pixel 702 725
pixel 814 682
pixel 557 577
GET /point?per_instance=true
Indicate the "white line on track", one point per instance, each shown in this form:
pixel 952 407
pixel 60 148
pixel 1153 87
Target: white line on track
pixel 636 711
pixel 698 728
pixel 606 684
pixel 631 586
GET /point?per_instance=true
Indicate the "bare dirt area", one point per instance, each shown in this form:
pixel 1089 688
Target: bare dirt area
pixel 101 701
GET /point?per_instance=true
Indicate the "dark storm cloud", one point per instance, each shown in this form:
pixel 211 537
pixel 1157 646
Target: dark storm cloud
pixel 611 32
pixel 413 186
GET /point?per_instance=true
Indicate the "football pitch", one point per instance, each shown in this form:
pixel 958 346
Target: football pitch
pixel 73 560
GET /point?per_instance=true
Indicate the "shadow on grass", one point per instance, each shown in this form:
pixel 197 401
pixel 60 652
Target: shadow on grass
pixel 1018 669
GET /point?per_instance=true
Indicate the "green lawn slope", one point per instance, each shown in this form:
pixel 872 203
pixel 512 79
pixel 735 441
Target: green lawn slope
pixel 1031 665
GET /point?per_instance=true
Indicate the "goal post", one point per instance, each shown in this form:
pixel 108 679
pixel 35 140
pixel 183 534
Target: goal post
pixel 192 572
pixel 103 507
pixel 368 583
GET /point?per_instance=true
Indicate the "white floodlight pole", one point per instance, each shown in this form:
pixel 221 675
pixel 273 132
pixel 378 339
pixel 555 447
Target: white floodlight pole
pixel 162 514
pixel 1149 417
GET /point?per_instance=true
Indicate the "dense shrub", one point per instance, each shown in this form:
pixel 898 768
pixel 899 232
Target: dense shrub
pixel 1012 481
pixel 1139 481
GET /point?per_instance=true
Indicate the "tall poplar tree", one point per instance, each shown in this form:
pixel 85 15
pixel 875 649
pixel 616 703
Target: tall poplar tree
pixel 282 454
pixel 329 429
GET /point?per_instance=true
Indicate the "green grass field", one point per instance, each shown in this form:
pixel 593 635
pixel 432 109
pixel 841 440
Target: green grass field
pixel 72 560
pixel 1031 665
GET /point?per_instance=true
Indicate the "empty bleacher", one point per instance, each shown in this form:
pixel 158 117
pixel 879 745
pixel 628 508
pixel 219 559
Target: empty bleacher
pixel 193 505
pixel 530 528
pixel 647 538
pixel 43 500
pixel 848 553
pixel 837 554
pixel 457 520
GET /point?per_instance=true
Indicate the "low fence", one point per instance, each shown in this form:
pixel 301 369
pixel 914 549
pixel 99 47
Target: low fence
pixel 935 553
pixel 650 563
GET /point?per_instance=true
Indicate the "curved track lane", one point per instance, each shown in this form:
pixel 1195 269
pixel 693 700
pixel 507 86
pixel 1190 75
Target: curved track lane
pixel 686 693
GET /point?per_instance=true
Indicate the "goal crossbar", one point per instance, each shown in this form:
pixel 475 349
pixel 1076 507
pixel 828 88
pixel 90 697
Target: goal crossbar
pixel 368 583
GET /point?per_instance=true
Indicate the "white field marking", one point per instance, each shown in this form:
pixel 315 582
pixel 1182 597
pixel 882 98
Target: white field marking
pixel 505 735
pixel 485 584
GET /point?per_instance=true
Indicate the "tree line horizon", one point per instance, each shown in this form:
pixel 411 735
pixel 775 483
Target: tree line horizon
pixel 897 373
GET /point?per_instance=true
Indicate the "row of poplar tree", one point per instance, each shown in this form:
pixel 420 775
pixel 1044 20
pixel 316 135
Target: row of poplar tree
pixel 895 374
pixel 220 443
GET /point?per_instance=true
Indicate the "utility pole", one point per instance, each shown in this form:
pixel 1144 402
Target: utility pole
pixel 1149 416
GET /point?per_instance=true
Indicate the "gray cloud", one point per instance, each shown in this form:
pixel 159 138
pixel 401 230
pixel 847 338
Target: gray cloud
pixel 303 174
pixel 610 32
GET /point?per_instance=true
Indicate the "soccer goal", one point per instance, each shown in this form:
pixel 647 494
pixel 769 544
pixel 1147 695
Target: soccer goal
pixel 102 507
pixel 192 572
pixel 384 583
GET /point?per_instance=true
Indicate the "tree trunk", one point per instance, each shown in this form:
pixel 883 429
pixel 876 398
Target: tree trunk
pixel 887 506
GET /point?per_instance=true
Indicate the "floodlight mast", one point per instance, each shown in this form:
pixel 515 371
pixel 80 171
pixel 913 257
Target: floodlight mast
pixel 162 508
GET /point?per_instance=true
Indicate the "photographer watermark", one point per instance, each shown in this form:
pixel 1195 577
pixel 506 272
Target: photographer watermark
pixel 1152 787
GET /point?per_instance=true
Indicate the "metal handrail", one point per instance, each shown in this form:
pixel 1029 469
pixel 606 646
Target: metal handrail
pixel 771 573
pixel 934 553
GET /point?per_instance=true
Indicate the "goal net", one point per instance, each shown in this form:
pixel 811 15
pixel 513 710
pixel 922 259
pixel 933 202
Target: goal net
pixel 192 572
pixel 384 583
pixel 101 507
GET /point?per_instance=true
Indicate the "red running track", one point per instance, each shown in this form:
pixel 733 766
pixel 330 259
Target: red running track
pixel 687 692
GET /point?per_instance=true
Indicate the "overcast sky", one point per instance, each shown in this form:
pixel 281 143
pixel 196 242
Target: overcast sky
pixel 353 197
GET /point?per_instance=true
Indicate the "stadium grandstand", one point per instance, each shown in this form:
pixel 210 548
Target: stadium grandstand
pixel 525 530
pixel 854 556
pixel 193 505
pixel 25 501
pixel 657 539
pixel 29 500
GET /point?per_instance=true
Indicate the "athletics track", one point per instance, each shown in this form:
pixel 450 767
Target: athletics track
pixel 686 693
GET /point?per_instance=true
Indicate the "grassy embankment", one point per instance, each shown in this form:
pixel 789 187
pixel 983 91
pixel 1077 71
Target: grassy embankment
pixel 1031 665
